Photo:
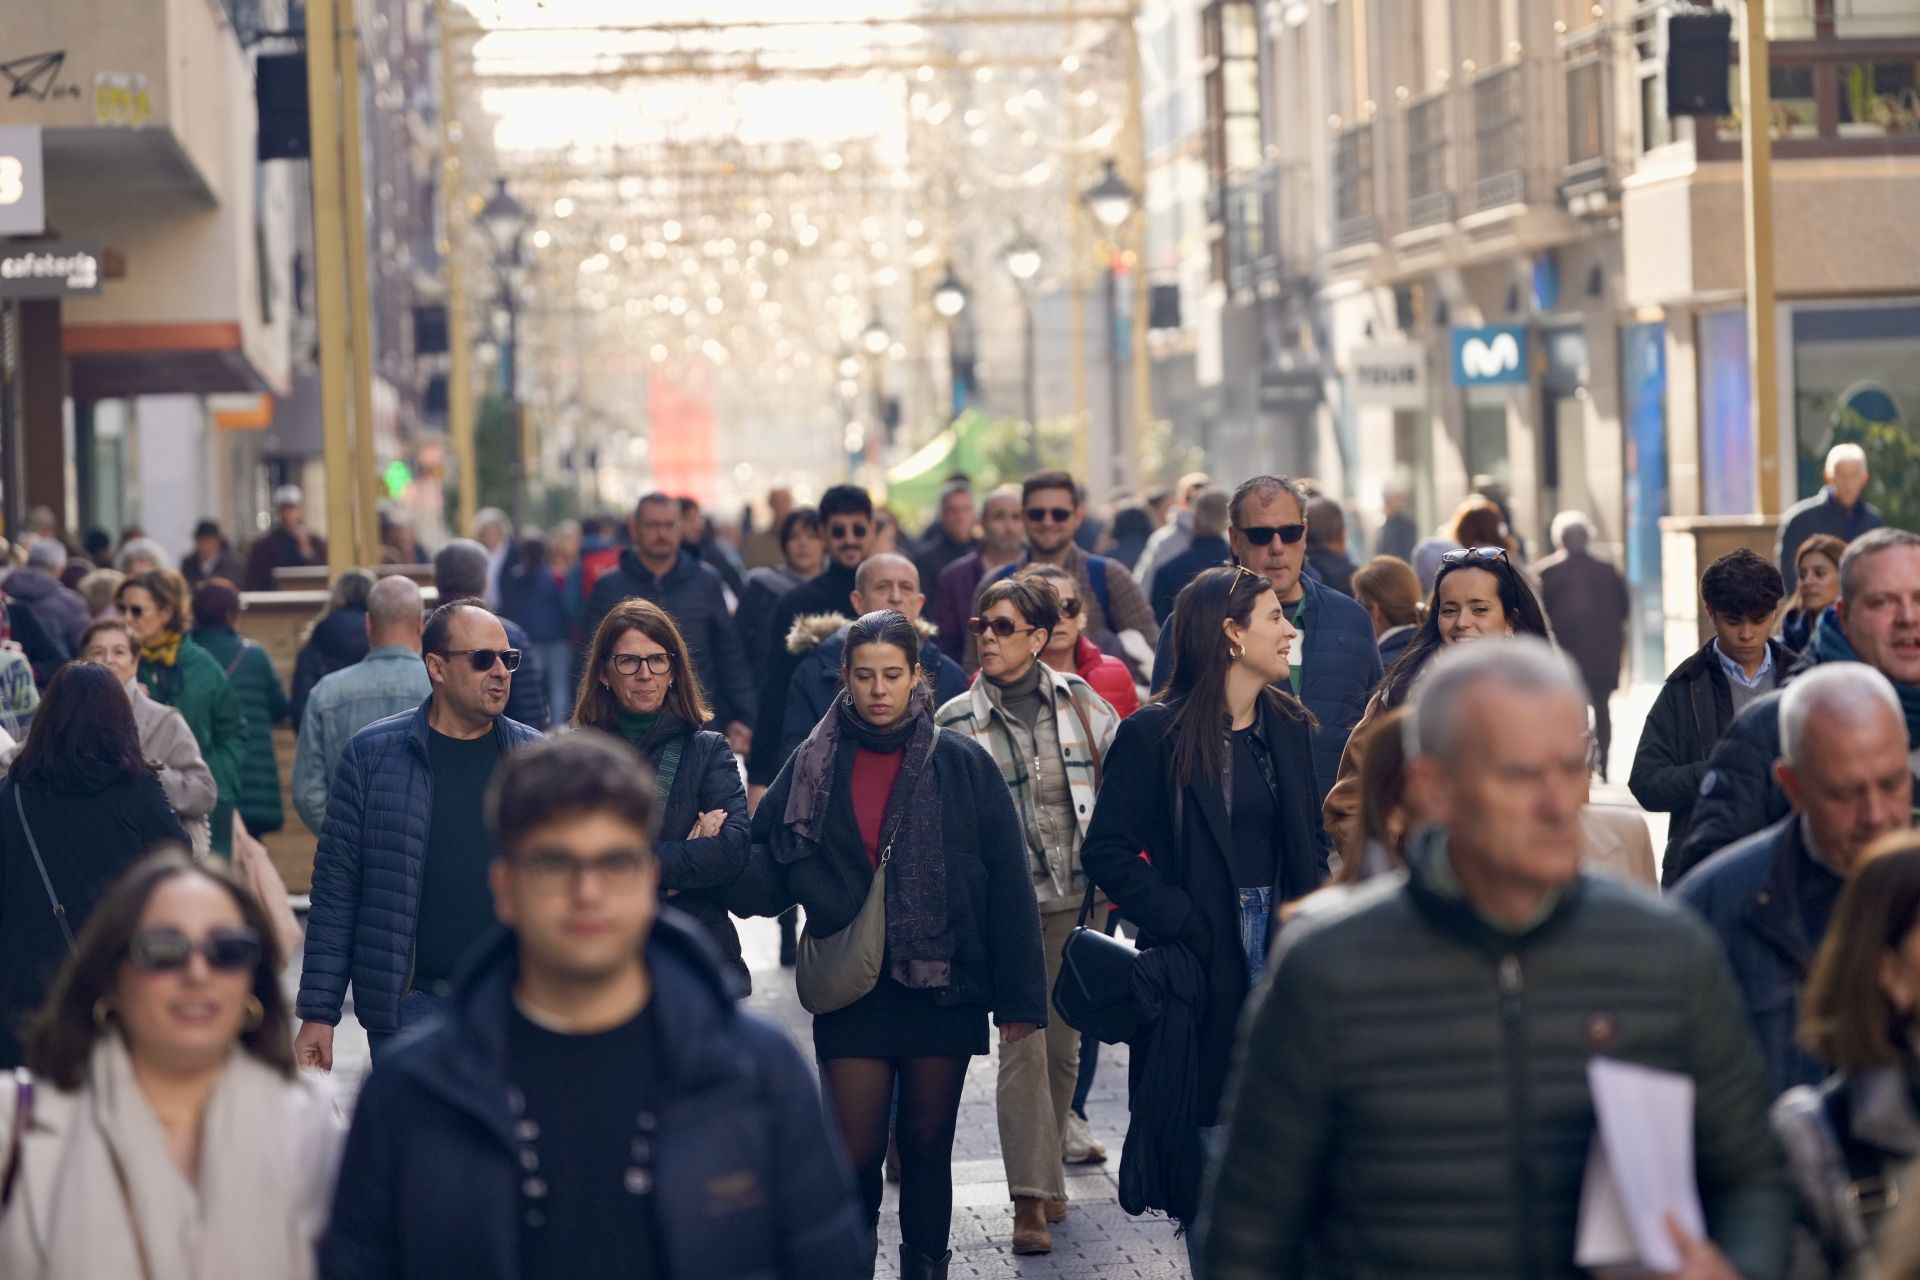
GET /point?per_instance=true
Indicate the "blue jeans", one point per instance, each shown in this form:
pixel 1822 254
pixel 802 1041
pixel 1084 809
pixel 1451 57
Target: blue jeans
pixel 416 1007
pixel 1256 917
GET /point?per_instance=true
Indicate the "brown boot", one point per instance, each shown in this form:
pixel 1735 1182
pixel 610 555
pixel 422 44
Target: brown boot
pixel 1030 1234
pixel 1056 1210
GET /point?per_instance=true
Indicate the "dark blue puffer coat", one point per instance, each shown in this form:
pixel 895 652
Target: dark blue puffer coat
pixel 367 870
pixel 1340 665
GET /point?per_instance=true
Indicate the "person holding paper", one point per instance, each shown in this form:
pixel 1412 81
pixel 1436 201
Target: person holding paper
pixel 1411 1095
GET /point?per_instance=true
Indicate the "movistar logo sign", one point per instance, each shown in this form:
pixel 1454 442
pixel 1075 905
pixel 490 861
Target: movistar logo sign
pixel 1493 355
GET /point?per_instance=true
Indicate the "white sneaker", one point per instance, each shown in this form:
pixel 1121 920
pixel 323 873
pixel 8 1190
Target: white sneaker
pixel 1078 1145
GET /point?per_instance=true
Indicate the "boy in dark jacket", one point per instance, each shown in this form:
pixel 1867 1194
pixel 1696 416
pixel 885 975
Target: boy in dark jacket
pixel 1701 697
pixel 594 1103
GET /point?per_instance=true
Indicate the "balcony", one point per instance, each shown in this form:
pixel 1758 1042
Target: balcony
pixel 1832 97
pixel 1499 101
pixel 1591 174
pixel 1429 156
pixel 1356 206
pixel 1254 214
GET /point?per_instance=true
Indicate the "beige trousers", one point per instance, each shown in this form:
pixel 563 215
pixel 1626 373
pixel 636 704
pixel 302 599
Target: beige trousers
pixel 1037 1077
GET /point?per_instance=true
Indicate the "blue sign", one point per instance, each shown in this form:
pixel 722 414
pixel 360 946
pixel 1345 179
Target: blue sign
pixel 1490 356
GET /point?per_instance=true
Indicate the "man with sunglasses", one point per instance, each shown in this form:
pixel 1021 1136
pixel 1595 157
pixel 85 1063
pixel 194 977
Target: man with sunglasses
pixel 400 876
pixel 659 570
pixel 1336 661
pixel 1116 608
pixel 595 1103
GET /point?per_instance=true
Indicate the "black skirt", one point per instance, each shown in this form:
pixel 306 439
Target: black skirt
pixel 892 1021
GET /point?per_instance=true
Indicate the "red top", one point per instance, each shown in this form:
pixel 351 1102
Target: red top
pixel 1108 676
pixel 873 778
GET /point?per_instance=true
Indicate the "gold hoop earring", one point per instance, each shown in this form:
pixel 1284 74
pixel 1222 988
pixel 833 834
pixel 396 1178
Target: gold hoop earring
pixel 102 1013
pixel 256 1014
pixel 1236 652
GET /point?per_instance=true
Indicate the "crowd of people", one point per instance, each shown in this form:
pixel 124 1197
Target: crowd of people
pixel 1314 833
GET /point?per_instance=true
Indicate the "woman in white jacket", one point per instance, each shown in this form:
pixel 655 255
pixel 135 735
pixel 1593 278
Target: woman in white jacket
pixel 163 1133
pixel 164 735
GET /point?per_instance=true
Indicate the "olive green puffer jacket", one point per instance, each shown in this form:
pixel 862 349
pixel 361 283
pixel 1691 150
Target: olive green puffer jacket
pixel 264 702
pixel 1410 1094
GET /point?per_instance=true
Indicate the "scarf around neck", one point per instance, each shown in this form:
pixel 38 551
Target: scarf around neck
pixel 163 652
pixel 1830 644
pixel 920 943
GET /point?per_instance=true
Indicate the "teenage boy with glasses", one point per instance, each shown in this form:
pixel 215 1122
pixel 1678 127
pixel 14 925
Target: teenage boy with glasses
pixel 1336 661
pixel 400 876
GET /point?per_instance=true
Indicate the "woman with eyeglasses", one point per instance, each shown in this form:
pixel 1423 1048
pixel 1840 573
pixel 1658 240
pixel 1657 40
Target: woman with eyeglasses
pixel 1478 594
pixel 163 1132
pixel 1214 782
pixel 639 686
pixel 180 674
pixel 951 937
pixel 164 737
pixel 1069 650
pixel 1047 730
pixel 79 806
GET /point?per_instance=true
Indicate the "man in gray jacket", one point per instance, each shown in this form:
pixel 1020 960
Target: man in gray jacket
pixel 1411 1095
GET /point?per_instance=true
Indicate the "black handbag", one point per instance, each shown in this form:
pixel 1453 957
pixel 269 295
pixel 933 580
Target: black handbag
pixel 1094 992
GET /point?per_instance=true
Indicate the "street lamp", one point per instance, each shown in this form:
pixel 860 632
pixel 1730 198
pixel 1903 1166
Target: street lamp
pixel 876 341
pixel 1112 201
pixel 949 295
pixel 505 220
pixel 950 299
pixel 1022 260
pixel 503 217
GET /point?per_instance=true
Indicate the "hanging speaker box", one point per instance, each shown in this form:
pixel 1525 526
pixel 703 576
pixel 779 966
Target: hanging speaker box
pixel 1699 63
pixel 280 91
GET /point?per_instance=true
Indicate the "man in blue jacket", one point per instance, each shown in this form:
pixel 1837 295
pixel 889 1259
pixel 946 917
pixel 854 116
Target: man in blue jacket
pixel 400 876
pixel 1335 662
pixel 595 1103
pixel 1770 897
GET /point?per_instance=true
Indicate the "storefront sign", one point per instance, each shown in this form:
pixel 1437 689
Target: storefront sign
pixel 1491 356
pixel 50 269
pixel 23 192
pixel 1289 390
pixel 1391 376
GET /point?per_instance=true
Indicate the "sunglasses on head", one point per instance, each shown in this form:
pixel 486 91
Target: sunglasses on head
pixel 483 659
pixel 1469 555
pixel 1041 515
pixel 1261 534
pixel 169 950
pixel 856 529
pixel 1001 627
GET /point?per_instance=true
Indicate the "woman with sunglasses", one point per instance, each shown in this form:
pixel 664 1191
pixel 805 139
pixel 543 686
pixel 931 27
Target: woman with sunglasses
pixel 876 784
pixel 1068 648
pixel 180 674
pixel 1047 730
pixel 79 806
pixel 1214 782
pixel 164 1131
pixel 1478 594
pixel 639 686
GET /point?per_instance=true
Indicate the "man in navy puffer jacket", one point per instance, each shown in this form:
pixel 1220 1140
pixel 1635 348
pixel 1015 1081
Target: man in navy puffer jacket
pixel 399 878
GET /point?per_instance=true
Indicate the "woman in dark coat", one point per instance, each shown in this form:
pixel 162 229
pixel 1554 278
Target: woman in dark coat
pixel 338 639
pixel 263 700
pixel 1229 821
pixel 639 685
pixel 94 806
pixel 876 782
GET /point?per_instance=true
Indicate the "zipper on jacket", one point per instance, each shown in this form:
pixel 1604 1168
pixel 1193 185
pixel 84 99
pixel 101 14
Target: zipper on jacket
pixel 1511 983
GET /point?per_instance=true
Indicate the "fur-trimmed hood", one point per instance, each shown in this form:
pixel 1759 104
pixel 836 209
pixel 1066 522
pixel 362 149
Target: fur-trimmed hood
pixel 810 631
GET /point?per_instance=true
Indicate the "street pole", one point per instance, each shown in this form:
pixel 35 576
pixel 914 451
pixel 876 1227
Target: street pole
pixel 1756 171
pixel 459 353
pixel 330 283
pixel 1135 147
pixel 365 473
pixel 1033 392
pixel 510 392
pixel 1116 431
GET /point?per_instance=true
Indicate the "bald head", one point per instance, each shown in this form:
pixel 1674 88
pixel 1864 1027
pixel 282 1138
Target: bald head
pixel 395 612
pixel 888 581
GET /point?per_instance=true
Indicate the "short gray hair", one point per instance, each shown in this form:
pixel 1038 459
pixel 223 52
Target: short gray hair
pixel 47 553
pixel 1851 692
pixel 1524 664
pixel 492 518
pixel 874 562
pixel 146 549
pixel 1570 522
pixel 460 569
pixel 395 601
pixel 1844 453
pixel 1871 543
pixel 1210 512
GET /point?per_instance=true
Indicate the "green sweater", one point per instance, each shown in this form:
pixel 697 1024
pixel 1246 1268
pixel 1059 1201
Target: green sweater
pixel 196 686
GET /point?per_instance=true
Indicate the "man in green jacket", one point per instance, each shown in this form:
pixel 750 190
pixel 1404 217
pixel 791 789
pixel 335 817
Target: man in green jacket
pixel 1411 1097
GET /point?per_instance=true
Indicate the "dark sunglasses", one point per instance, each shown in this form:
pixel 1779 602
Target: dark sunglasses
pixel 134 610
pixel 169 950
pixel 1070 608
pixel 1468 555
pixel 483 659
pixel 1261 534
pixel 1040 515
pixel 629 664
pixel 854 530
pixel 1002 627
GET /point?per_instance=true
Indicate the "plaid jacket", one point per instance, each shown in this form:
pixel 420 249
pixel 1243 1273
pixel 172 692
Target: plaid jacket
pixel 1085 725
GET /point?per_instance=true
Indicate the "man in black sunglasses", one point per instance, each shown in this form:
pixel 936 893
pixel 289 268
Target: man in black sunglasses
pixel 400 876
pixel 1336 661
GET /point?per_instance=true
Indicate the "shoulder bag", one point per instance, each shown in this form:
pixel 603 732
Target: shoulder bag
pixel 1094 992
pixel 33 847
pixel 834 970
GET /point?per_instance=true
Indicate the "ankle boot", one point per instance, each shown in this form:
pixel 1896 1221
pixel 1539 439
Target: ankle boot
pixel 1056 1210
pixel 1030 1234
pixel 918 1266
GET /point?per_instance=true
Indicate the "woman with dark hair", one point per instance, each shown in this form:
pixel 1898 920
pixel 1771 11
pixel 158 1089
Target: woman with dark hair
pixel 1852 1139
pixel 1478 595
pixel 165 739
pixel 336 640
pixel 1816 567
pixel 901 979
pixel 163 1131
pixel 263 699
pixel 178 673
pixel 79 806
pixel 640 685
pixel 803 553
pixel 1214 781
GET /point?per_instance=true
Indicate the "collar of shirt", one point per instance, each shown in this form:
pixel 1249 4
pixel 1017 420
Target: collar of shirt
pixel 1738 673
pixel 1819 859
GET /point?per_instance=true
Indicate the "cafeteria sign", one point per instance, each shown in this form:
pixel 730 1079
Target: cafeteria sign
pixel 50 269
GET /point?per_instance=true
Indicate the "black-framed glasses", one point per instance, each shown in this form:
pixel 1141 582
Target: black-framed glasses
pixel 169 950
pixel 483 659
pixel 1041 515
pixel 629 664
pixel 555 869
pixel 1001 627
pixel 1472 555
pixel 1261 534
pixel 854 529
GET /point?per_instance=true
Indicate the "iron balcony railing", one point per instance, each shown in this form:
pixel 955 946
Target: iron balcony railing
pixel 1429 155
pixel 1499 98
pixel 1356 192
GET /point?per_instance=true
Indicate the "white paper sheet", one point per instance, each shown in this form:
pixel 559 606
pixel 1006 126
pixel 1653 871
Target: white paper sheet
pixel 1640 1169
